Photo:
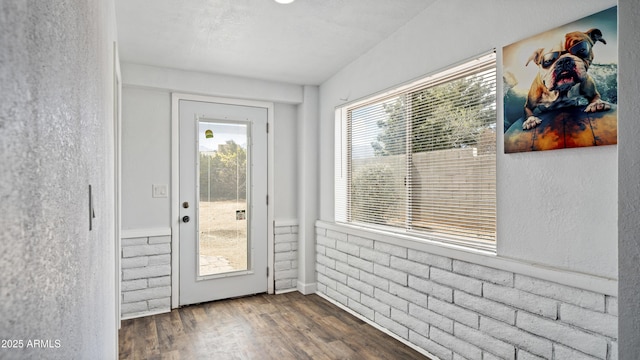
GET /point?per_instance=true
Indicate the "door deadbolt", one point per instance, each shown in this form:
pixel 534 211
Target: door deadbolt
pixel 185 219
pixel 185 204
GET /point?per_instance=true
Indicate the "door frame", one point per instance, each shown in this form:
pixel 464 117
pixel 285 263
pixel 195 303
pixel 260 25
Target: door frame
pixel 117 181
pixel 175 183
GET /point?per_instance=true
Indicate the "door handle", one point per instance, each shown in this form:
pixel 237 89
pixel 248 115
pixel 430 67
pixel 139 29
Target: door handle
pixel 185 219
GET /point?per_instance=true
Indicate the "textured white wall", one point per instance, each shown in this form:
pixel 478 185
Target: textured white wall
pixel 146 137
pixel 555 208
pixel 210 84
pixel 146 157
pixel 629 183
pixel 286 155
pixel 56 138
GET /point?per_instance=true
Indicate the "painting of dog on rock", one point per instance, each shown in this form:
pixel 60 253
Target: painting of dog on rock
pixel 561 86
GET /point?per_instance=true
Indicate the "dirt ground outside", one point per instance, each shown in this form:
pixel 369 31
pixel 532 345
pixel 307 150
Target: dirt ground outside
pixel 223 238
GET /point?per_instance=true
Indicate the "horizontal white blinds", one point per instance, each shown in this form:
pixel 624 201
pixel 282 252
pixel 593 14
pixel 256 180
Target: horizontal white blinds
pixel 424 159
pixel 377 163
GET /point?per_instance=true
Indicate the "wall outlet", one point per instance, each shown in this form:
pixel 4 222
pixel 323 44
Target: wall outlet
pixel 160 191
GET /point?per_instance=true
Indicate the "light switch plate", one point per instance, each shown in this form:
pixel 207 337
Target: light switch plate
pixel 160 191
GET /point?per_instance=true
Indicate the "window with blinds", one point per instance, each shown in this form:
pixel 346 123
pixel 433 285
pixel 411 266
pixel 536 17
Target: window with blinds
pixel 421 159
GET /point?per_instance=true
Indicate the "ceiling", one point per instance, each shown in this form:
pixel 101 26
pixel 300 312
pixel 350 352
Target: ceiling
pixel 305 42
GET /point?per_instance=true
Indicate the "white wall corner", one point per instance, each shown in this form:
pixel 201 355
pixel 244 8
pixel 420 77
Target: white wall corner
pixel 308 150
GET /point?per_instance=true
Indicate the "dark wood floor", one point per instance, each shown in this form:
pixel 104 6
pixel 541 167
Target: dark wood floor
pixel 287 326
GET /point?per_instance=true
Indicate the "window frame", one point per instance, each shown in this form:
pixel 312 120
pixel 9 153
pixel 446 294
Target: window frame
pixel 343 150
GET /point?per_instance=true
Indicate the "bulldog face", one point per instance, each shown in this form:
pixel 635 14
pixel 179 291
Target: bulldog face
pixel 566 64
pixel 561 69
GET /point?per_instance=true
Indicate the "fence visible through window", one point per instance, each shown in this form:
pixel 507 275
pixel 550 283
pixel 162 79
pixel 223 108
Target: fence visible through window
pixel 423 159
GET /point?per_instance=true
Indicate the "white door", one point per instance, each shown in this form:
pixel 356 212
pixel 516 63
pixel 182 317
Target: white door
pixel 223 201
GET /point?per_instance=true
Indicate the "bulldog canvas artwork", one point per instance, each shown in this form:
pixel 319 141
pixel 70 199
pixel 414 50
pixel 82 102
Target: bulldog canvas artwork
pixel 560 87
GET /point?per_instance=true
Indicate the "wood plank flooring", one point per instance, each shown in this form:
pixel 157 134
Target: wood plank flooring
pixel 286 326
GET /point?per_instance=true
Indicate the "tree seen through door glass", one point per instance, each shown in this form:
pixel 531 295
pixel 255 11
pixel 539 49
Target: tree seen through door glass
pixel 222 175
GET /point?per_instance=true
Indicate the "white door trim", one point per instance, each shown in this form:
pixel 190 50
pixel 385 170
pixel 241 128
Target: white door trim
pixel 175 184
pixel 117 178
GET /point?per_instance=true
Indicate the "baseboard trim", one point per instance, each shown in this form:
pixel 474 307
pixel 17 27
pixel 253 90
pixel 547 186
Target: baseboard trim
pixel 144 314
pixel 378 327
pixel 284 291
pixel 306 289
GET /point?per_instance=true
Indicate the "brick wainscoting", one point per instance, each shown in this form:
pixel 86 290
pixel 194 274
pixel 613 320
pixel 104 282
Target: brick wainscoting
pixel 455 309
pixel 286 255
pixel 146 275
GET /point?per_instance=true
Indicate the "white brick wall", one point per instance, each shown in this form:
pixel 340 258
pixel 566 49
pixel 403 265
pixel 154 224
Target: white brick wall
pixel 460 310
pixel 286 257
pixel 146 269
pixel 146 276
